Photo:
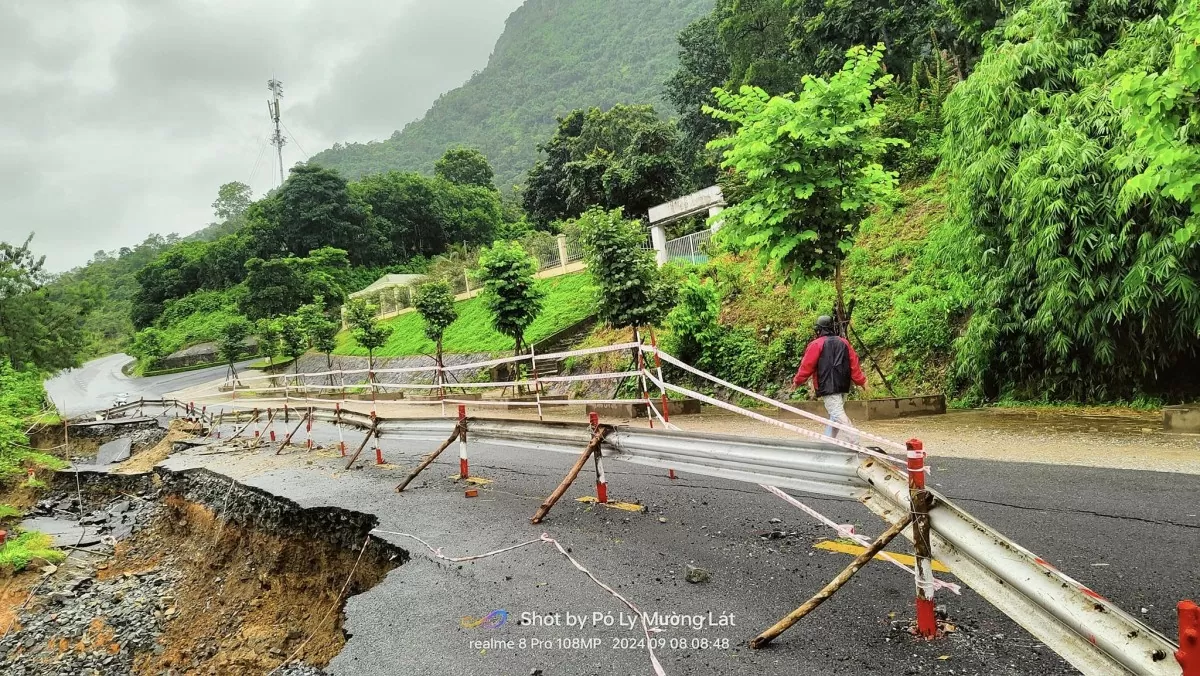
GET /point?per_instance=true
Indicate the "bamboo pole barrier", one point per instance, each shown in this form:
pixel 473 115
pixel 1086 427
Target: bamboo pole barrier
pixel 458 430
pixel 592 447
pixel 842 578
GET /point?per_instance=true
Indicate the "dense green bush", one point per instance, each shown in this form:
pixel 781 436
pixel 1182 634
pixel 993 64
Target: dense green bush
pixel 22 400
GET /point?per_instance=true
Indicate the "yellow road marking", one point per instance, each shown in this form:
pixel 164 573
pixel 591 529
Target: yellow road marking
pixel 477 480
pixel 627 506
pixel 855 550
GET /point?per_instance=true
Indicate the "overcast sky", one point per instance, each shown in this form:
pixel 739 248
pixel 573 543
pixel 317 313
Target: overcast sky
pixel 120 118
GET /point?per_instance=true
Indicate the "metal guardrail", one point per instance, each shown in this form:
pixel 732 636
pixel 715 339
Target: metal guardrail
pixel 1086 629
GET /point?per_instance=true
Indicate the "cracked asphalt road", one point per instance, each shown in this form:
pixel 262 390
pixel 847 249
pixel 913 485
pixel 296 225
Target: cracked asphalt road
pixel 1130 535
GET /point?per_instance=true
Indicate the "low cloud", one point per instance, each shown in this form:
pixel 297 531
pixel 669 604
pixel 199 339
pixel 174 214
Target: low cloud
pixel 122 117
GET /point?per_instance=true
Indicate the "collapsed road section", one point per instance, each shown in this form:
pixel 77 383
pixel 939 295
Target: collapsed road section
pixel 190 572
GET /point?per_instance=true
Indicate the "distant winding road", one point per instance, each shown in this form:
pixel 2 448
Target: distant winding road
pixel 94 385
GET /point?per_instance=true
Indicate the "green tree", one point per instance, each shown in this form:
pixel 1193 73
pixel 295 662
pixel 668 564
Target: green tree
pixel 434 301
pixel 267 332
pixel 1086 286
pixel 367 330
pixel 703 66
pixel 809 166
pixel 40 326
pixel 292 338
pixel 233 199
pixel 320 328
pixel 465 166
pixel 510 292
pixel 1162 112
pixel 148 345
pixel 312 209
pixel 630 289
pixel 623 157
pixel 280 285
pixel 232 345
pixel 417 215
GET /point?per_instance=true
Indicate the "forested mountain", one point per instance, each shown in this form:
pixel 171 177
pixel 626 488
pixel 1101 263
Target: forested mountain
pixel 555 56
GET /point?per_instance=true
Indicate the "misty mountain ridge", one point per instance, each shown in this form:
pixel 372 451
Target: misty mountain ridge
pixel 553 57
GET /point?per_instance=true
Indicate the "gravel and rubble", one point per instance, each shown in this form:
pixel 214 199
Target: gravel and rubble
pixel 83 622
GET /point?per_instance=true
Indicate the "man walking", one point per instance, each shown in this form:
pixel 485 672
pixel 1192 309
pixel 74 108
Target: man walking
pixel 832 364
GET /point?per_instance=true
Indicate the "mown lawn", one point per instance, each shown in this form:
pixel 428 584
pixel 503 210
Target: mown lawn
pixel 569 298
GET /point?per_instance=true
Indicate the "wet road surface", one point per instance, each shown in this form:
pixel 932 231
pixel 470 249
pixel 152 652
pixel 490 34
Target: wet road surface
pixel 1129 535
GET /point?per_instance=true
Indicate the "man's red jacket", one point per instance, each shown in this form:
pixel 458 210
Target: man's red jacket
pixel 812 357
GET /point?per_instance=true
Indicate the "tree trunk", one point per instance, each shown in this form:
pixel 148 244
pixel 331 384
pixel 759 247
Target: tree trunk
pixel 329 366
pixel 441 376
pixel 840 307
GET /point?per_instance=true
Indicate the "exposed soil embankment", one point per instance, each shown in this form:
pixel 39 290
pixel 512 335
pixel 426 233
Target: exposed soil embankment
pixel 224 579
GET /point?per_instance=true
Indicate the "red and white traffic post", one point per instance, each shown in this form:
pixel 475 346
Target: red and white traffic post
pixel 920 501
pixel 463 470
pixel 601 480
pixel 1188 654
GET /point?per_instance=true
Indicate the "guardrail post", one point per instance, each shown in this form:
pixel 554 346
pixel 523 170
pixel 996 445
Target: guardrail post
pixel 920 500
pixel 378 448
pixel 463 469
pixel 1188 654
pixel 337 409
pixel 308 429
pixel 601 481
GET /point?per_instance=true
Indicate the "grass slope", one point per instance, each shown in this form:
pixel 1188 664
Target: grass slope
pixel 569 299
pixel 553 57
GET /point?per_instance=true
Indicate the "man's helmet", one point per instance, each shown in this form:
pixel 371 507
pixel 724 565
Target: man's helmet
pixel 825 326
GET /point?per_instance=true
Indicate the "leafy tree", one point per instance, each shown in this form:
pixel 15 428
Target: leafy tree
pixel 232 345
pixel 703 66
pixel 1087 283
pixel 40 327
pixel 434 301
pixel 320 329
pixel 1162 111
pixel 278 286
pixel 809 164
pixel 416 215
pixel 622 157
pixel 312 210
pixel 368 331
pixel 267 332
pixel 757 37
pixel 148 344
pixel 465 166
pixel 630 288
pixel 233 199
pixel 510 292
pixel 292 338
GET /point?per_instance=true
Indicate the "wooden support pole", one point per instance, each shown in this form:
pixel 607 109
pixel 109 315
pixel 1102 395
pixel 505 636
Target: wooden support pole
pixel 370 433
pixel 288 439
pixel 836 584
pixel 253 418
pixel 592 447
pixel 270 417
pixel 458 430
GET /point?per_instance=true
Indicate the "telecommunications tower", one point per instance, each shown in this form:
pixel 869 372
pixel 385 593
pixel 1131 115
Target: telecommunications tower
pixel 277 139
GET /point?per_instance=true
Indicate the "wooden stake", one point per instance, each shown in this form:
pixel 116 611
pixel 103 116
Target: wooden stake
pixel 253 418
pixel 829 589
pixel 270 417
pixel 288 439
pixel 361 446
pixel 428 461
pixel 592 447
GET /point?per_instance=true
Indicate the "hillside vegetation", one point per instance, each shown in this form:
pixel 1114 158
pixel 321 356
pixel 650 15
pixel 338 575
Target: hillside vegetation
pixel 554 56
pixel 569 299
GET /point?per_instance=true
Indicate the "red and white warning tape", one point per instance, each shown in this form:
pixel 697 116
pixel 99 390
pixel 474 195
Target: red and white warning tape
pixel 847 531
